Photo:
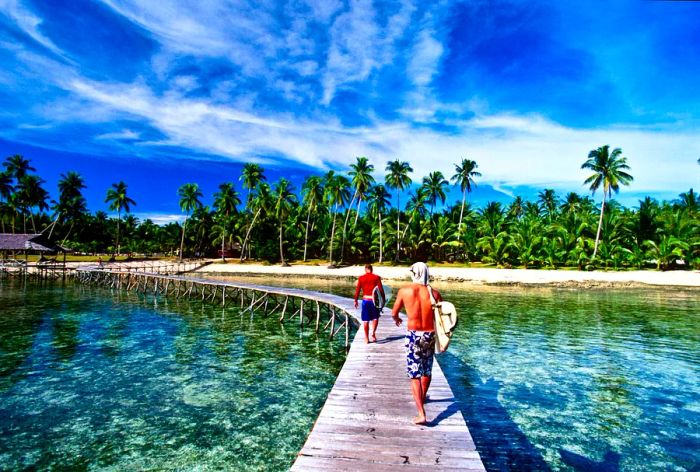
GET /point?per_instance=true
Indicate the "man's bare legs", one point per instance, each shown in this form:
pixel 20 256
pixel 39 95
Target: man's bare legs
pixel 419 389
pixel 425 385
pixel 366 327
pixel 374 330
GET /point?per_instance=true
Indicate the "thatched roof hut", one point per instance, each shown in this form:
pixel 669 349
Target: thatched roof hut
pixel 30 243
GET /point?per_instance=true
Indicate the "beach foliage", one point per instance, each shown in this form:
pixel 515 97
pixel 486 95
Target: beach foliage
pixel 401 220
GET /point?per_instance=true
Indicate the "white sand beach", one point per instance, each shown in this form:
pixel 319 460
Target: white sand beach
pixel 475 276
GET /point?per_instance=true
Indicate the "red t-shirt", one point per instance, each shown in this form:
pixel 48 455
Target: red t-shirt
pixel 366 283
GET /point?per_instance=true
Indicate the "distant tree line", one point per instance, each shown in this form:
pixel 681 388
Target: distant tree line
pixel 351 217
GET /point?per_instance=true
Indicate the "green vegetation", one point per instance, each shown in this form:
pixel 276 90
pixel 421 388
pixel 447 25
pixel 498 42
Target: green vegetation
pixel 329 223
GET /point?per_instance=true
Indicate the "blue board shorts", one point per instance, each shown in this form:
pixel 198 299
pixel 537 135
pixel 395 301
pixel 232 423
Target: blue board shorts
pixel 369 311
pixel 420 350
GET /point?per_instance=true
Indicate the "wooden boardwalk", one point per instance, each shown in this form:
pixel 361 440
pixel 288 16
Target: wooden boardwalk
pixel 366 422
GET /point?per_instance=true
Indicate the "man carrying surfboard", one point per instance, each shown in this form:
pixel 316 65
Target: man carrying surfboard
pixel 415 299
pixel 368 283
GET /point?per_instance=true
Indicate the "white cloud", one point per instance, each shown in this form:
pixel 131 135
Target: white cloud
pixel 511 149
pixel 29 23
pixel 350 56
pixel 126 135
pixel 236 30
pixel 159 218
pixel 426 58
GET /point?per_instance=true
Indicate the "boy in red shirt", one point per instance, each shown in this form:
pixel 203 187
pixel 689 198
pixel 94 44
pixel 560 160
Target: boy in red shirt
pixel 370 313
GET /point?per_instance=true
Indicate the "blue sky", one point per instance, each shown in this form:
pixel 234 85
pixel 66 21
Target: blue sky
pixel 161 93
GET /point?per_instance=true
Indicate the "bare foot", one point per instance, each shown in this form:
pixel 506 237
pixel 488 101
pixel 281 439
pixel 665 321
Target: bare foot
pixel 366 341
pixel 420 420
pixel 374 338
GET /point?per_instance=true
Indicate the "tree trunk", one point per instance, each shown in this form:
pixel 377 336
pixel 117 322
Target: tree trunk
pixel 182 240
pixel 223 242
pixel 461 212
pixel 357 215
pixel 405 230
pixel 281 248
pixel 398 227
pixel 119 218
pixel 67 234
pixel 306 234
pixel 600 225
pixel 380 238
pixel 53 225
pixel 345 226
pixel 330 254
pixel 247 234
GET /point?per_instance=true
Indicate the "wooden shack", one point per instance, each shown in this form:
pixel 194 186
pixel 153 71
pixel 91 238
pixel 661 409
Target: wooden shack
pixel 12 245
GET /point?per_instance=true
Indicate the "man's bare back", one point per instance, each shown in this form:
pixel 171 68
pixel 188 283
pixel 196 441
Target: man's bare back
pixel 420 337
pixel 415 300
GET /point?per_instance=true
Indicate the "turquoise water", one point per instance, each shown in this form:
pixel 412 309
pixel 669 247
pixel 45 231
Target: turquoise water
pixel 91 379
pixel 580 380
pixel 575 380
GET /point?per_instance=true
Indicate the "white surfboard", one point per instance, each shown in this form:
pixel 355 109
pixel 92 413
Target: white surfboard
pixel 445 321
pixel 379 300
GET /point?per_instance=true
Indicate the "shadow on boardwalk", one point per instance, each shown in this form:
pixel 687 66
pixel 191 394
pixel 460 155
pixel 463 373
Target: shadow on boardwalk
pixel 499 440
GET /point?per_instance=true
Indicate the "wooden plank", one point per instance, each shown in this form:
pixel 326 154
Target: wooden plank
pixel 366 422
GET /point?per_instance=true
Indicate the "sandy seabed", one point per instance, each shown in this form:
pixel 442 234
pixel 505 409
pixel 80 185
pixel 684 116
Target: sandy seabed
pixel 534 277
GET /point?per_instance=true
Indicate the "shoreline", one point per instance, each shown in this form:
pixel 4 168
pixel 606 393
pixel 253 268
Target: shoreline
pixel 473 276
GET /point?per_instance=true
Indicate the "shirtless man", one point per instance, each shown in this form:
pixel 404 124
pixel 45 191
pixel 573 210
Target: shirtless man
pixel 420 338
pixel 370 314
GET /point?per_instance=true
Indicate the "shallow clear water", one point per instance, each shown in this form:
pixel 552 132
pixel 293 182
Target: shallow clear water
pixel 580 380
pixel 575 380
pixel 91 379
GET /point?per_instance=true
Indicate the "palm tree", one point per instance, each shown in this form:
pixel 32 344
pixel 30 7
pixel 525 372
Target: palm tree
pixel 398 179
pixel 284 197
pixel 201 227
pixel 689 200
pixel 516 209
pixel 252 175
pixel 361 180
pixel 17 166
pixel 464 176
pixel 118 200
pixel 434 185
pixel 378 201
pixel 608 171
pixel 32 194
pixel 261 204
pixel 337 194
pixel 495 240
pixel 572 203
pixel 129 225
pixel 6 190
pixel 71 202
pixel 225 202
pixel 190 196
pixel 312 190
pixel 416 207
pixel 549 202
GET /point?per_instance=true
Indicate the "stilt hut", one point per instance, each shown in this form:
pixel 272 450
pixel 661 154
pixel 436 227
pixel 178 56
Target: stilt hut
pixel 25 244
